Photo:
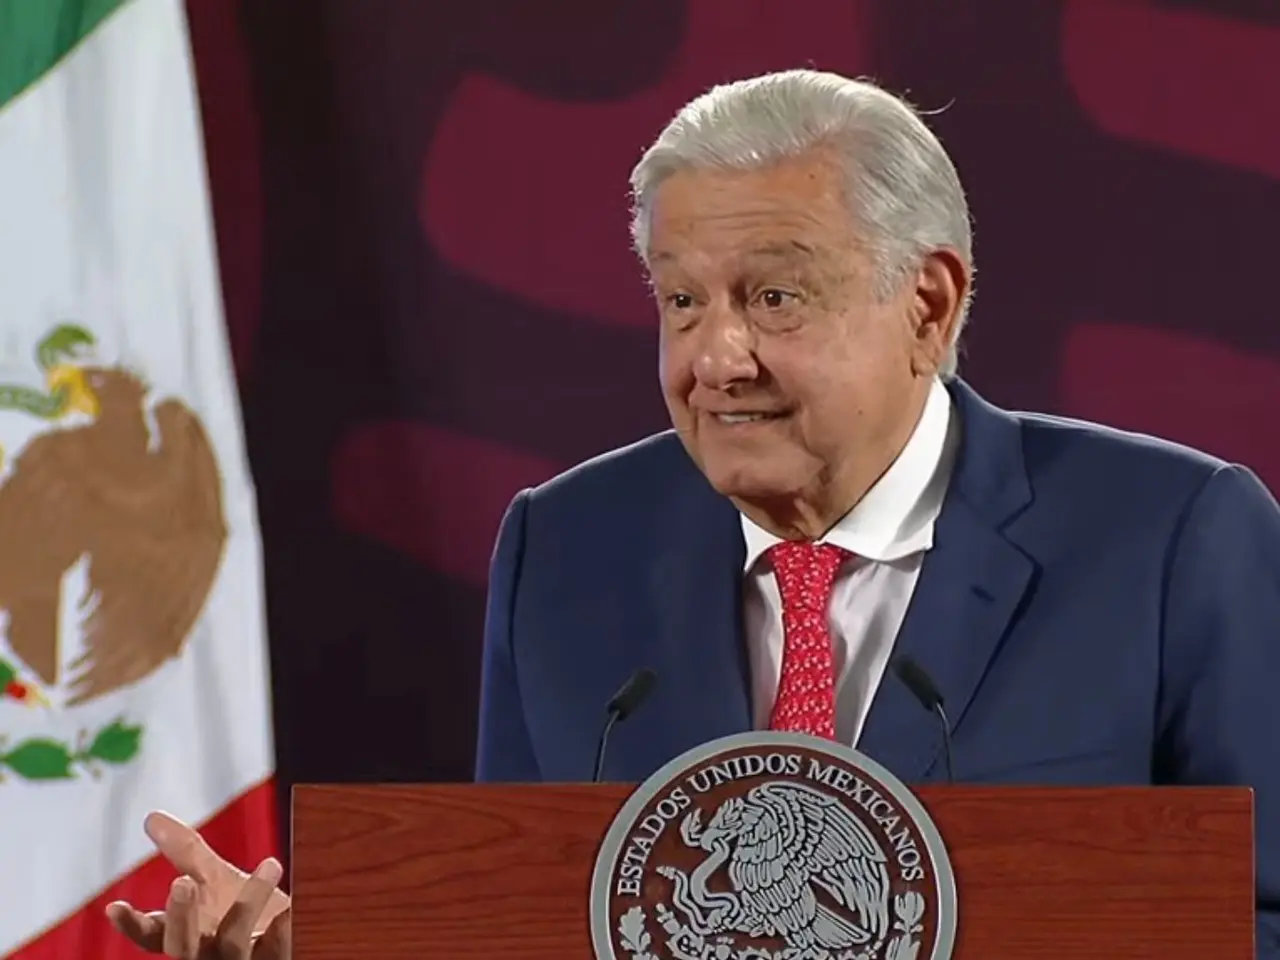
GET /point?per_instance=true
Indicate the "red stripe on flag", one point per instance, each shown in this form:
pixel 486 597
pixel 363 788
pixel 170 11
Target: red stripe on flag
pixel 244 832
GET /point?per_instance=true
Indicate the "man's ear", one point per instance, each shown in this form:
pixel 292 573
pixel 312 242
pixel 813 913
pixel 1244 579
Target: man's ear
pixel 942 283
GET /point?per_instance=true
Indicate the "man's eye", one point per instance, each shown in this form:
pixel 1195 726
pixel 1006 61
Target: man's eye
pixel 774 299
pixel 681 301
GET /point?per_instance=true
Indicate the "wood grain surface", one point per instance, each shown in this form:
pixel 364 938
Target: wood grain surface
pixel 491 872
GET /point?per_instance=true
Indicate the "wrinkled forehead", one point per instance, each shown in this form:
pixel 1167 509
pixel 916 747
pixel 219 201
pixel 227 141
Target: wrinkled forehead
pixel 788 215
pixel 736 255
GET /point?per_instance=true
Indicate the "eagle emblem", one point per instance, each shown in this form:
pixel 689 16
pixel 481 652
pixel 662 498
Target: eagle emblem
pixel 785 844
pixel 773 846
pixel 131 489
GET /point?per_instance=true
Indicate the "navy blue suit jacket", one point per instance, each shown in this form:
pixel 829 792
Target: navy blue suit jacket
pixel 1099 609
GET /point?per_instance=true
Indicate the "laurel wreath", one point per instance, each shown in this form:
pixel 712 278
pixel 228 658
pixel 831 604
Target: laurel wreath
pixel 44 758
pixel 687 944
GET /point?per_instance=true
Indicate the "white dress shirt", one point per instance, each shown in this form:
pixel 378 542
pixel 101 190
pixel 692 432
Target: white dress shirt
pixel 888 532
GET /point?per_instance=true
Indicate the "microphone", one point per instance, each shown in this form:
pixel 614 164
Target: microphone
pixel 922 687
pixel 624 703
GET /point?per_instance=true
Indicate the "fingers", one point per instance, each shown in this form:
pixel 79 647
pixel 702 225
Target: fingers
pixel 277 942
pixel 181 937
pixel 182 846
pixel 176 931
pixel 236 930
pixel 145 929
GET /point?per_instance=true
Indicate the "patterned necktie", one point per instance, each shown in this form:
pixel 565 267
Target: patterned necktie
pixel 806 573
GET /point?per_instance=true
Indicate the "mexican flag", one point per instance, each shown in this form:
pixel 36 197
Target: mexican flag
pixel 133 658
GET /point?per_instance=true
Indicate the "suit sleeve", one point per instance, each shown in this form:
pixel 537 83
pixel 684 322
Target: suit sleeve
pixel 504 753
pixel 1220 710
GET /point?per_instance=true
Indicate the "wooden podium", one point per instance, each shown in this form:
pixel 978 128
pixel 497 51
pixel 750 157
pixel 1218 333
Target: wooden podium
pixel 494 872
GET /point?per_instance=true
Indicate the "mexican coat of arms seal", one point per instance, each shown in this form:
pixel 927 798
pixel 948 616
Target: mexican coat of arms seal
pixel 773 846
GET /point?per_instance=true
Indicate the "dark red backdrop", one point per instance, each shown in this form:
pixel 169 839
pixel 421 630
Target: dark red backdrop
pixel 422 221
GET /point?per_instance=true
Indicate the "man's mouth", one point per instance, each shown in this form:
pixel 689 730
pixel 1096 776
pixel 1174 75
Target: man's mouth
pixel 732 419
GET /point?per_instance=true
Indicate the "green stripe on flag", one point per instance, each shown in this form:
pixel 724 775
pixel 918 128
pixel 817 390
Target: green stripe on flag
pixel 36 34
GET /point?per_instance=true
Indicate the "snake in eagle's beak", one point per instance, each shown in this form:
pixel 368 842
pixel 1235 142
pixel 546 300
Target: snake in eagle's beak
pixel 11 688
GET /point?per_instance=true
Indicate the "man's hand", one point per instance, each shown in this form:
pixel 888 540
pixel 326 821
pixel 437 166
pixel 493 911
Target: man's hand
pixel 215 911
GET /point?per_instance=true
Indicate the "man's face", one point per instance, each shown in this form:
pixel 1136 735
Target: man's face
pixel 787 379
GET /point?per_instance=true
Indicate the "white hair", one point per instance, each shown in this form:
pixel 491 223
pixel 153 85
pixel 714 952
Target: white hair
pixel 903 189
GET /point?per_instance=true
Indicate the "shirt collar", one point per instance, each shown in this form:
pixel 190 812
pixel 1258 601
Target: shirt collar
pixel 896 516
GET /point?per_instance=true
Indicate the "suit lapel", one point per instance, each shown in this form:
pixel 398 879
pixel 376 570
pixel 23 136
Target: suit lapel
pixel 970 587
pixel 696 587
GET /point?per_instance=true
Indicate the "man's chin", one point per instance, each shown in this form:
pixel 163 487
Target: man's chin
pixel 752 486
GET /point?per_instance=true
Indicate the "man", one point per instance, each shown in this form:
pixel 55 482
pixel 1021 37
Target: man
pixel 1096 607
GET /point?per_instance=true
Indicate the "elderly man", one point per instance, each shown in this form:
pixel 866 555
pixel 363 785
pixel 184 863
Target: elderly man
pixel 1096 607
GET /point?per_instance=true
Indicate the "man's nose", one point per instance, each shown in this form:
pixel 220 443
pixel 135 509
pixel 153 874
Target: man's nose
pixel 726 349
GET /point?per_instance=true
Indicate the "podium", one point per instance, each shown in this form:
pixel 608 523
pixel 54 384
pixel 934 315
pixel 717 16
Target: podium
pixel 485 872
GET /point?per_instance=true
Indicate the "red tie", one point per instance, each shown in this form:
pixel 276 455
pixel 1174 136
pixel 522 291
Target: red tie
pixel 806 700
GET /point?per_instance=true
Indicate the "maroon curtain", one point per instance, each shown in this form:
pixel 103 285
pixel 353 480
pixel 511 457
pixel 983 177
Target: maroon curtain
pixel 422 217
